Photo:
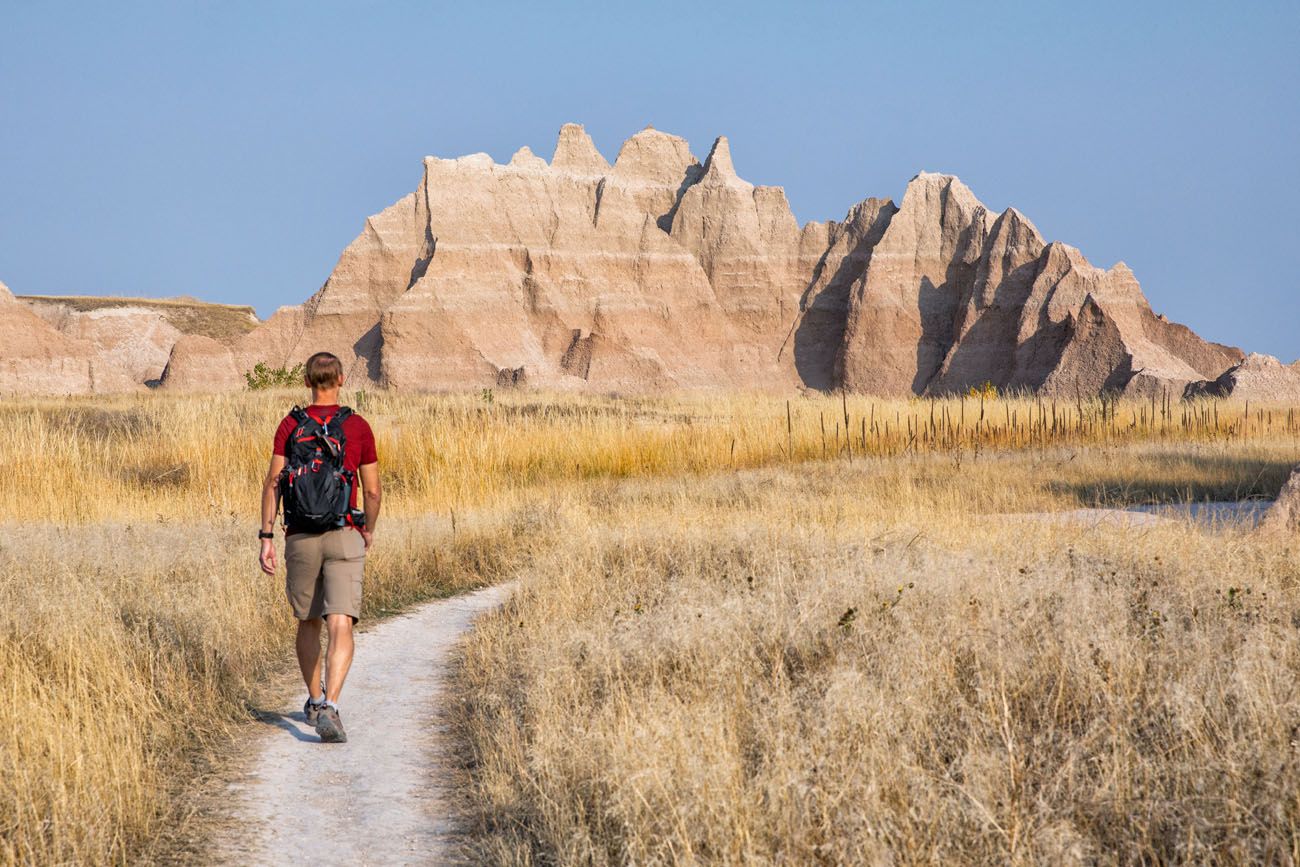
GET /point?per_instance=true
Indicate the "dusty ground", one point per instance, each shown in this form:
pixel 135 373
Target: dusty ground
pixel 1209 515
pixel 381 798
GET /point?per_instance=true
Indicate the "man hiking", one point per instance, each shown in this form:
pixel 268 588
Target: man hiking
pixel 319 454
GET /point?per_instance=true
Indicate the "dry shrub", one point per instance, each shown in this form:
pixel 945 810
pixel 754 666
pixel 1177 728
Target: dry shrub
pixel 93 422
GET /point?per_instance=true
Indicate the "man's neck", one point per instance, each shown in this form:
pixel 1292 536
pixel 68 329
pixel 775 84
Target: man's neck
pixel 324 397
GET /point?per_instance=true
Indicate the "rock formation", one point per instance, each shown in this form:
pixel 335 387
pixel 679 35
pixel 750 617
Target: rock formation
pixel 563 274
pixel 954 297
pixel 36 358
pixel 815 339
pixel 1284 515
pixel 137 334
pixel 1258 378
pixel 201 364
pixel 903 309
pixel 659 272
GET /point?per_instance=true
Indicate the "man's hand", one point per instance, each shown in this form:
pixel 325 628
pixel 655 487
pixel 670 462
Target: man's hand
pixel 267 559
pixel 270 506
pixel 367 534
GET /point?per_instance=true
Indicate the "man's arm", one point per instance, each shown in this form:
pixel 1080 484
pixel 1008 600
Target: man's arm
pixel 373 492
pixel 270 495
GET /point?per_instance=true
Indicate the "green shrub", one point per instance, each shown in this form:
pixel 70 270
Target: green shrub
pixel 264 376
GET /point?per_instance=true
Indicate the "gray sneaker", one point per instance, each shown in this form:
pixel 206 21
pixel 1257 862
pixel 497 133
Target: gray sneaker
pixel 329 726
pixel 311 711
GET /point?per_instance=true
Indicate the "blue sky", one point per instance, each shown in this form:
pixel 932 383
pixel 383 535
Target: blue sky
pixel 230 150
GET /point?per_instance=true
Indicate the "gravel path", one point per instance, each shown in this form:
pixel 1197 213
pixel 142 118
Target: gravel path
pixel 1213 516
pixel 382 797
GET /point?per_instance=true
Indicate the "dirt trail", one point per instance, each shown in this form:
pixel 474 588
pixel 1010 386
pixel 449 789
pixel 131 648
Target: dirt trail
pixel 381 798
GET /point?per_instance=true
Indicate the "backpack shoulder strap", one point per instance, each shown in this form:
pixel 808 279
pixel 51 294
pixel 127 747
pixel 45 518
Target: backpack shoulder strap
pixel 299 414
pixel 342 415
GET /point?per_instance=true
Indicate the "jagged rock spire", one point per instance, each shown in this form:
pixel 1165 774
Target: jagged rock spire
pixel 719 166
pixel 656 156
pixel 576 152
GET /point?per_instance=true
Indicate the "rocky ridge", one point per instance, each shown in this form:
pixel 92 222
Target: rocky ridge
pixel 659 272
pixel 137 334
pixel 1257 378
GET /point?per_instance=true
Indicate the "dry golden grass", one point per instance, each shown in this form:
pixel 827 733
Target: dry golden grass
pixel 135 626
pixel 127 651
pixel 163 457
pixel 867 665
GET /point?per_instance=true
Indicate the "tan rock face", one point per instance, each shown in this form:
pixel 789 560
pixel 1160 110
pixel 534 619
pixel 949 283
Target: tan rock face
pixel 835 255
pixel 1284 515
pixel 36 358
pixel 1257 378
pixel 201 364
pixel 535 267
pixel 744 237
pixel 903 310
pixel 137 334
pixel 657 272
pixel 576 154
pixel 991 315
pixel 386 259
pixel 954 298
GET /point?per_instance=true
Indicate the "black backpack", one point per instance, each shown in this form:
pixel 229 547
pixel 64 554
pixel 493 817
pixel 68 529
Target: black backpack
pixel 315 488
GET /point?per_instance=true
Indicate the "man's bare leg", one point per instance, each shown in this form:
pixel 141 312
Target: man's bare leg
pixel 340 654
pixel 309 656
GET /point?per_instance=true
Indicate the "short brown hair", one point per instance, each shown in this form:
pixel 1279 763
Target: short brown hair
pixel 324 370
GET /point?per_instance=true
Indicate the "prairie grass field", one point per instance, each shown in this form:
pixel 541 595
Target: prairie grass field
pixel 869 665
pixel 749 630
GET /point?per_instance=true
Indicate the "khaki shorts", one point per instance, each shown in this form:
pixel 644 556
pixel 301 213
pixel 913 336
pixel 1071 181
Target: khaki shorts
pixel 324 573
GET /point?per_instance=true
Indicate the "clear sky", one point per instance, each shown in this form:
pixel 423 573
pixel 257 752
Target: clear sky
pixel 230 150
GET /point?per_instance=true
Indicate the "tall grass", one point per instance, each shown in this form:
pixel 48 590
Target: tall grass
pixel 167 458
pixel 128 650
pixel 135 627
pixel 870 665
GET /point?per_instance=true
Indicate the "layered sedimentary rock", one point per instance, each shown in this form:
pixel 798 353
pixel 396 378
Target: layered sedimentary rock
pixel 386 260
pixel 137 334
pixel 815 339
pixel 658 272
pixel 904 308
pixel 1257 378
pixel 557 277
pixel 954 297
pixel 36 358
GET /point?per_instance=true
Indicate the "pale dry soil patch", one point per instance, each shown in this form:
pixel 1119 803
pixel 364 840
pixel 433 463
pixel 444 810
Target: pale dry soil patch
pixel 385 796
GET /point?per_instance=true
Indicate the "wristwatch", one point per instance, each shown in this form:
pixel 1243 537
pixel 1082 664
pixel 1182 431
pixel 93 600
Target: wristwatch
pixel 261 534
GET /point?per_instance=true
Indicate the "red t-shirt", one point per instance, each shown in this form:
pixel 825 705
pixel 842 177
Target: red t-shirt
pixel 359 439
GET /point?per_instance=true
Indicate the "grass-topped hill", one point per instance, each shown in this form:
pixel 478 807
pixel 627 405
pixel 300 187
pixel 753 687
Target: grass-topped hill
pixel 189 315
